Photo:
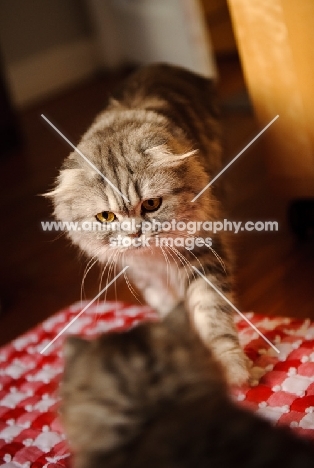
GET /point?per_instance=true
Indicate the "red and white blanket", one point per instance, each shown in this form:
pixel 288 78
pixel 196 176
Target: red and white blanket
pixel 30 433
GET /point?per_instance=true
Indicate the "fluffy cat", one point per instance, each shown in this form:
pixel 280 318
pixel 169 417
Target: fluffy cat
pixel 158 143
pixel 155 397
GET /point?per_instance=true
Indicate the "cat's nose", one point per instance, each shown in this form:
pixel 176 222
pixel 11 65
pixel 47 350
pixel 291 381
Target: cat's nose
pixel 136 234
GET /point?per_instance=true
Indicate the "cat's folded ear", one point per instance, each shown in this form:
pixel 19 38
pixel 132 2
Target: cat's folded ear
pixel 73 346
pixel 162 156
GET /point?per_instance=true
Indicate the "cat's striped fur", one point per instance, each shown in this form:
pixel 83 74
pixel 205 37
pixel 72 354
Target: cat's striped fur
pixel 158 137
pixel 155 397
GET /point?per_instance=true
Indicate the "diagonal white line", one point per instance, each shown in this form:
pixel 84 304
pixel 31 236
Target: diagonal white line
pixel 237 310
pixel 85 158
pixel 236 157
pixel 83 310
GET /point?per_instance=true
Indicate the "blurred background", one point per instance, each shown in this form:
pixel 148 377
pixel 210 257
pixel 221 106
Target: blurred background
pixel 62 58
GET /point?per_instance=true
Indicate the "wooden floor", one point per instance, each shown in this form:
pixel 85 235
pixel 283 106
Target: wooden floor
pixel 41 273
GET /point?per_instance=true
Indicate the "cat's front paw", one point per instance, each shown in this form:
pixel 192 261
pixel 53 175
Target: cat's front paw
pixel 236 367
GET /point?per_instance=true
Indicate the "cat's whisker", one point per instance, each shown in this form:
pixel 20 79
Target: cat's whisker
pixel 218 257
pixel 117 263
pixel 167 264
pixel 184 262
pixel 187 236
pixel 114 274
pixel 110 267
pixel 131 289
pixel 212 249
pixel 103 271
pixel 106 269
pixel 173 258
pixel 197 259
pixel 58 236
pixel 110 270
pixel 178 253
pixel 88 267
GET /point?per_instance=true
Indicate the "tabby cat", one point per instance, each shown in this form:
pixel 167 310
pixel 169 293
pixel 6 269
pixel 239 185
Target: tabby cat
pixel 155 397
pixel 158 144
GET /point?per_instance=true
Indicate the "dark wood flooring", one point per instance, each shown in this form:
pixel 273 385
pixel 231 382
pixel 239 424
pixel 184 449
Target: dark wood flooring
pixel 41 273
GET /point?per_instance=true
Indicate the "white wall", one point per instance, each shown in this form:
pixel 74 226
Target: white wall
pixel 144 31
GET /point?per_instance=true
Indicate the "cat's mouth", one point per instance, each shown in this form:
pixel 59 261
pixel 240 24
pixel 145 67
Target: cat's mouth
pixel 141 242
pixel 131 243
pixel 137 247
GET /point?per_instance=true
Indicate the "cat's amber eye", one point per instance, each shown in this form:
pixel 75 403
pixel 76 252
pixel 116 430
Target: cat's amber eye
pixel 152 204
pixel 105 217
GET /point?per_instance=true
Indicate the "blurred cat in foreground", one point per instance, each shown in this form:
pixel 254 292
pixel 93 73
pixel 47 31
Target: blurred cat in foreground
pixel 154 396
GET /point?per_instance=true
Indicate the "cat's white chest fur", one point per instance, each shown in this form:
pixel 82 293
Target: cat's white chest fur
pixel 162 284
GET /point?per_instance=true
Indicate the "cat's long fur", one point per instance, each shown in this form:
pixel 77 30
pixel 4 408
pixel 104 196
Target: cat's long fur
pixel 158 137
pixel 155 397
